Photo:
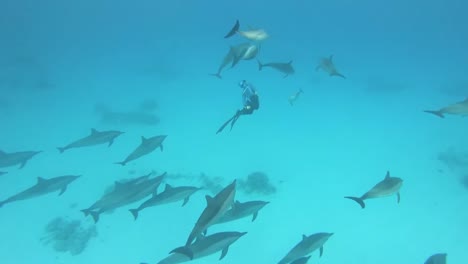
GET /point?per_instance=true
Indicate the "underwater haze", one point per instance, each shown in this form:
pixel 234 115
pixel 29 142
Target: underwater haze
pixel 350 129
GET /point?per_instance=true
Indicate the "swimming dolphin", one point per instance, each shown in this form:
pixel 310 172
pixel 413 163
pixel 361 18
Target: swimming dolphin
pixel 437 259
pixel 15 158
pixel 169 195
pixel 387 187
pixel 3 173
pixel 146 146
pixel 240 210
pixel 42 187
pixel 123 195
pixel 307 245
pixel 215 207
pixel 253 34
pixel 460 108
pixel 243 51
pixel 294 97
pixel 206 246
pixel 95 138
pixel 302 260
pixel 328 66
pixel 285 68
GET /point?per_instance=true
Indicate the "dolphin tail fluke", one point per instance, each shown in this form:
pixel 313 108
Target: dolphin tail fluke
pixel 184 251
pixel 357 200
pixel 86 212
pixel 216 75
pixel 234 30
pixel 134 213
pixel 260 65
pixel 95 216
pixel 437 113
pixel 61 150
pixel 121 163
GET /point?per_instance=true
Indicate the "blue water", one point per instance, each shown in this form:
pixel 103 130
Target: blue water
pixel 62 59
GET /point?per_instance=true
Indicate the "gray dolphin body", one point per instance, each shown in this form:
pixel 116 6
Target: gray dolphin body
pixel 146 146
pixel 387 187
pixel 285 68
pixel 327 65
pixel 169 195
pixel 95 138
pixel 3 173
pixel 243 51
pixel 460 108
pixel 240 210
pixel 215 208
pixel 206 246
pixel 15 158
pixel 307 245
pixel 124 194
pixel 440 258
pixel 42 187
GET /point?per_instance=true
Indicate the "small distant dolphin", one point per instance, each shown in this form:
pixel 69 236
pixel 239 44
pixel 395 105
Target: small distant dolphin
pixel 302 260
pixel 387 187
pixel 146 146
pixel 460 108
pixel 215 208
pixel 95 138
pixel 3 173
pixel 328 66
pixel 42 187
pixel 254 34
pixel 169 195
pixel 206 246
pixel 440 258
pixel 294 97
pixel 307 245
pixel 14 158
pixel 285 68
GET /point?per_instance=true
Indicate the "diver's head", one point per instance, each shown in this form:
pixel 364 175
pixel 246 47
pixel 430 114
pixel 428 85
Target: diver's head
pixel 243 84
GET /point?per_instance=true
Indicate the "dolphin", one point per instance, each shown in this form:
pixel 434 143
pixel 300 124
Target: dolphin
pixel 302 260
pixel 42 187
pixel 206 246
pixel 440 258
pixel 294 97
pixel 95 138
pixel 285 68
pixel 387 187
pixel 307 245
pixel 253 34
pixel 146 146
pixel 328 66
pixel 228 58
pixel 3 173
pixel 124 195
pixel 240 210
pixel 243 51
pixel 169 195
pixel 15 158
pixel 215 208
pixel 460 108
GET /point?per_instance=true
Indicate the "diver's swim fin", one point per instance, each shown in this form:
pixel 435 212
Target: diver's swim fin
pixel 225 124
pixel 233 30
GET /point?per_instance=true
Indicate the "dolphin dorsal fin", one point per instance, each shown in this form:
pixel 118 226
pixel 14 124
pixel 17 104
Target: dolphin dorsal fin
pixel 143 139
pixel 387 175
pixel 94 131
pixel 118 185
pixel 304 237
pixel 168 187
pixel 40 180
pixel 209 200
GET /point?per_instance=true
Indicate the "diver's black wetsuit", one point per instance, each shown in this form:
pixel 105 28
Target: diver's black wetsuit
pixel 250 101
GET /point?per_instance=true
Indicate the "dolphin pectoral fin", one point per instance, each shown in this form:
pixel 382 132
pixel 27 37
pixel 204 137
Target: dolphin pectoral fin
pixel 62 190
pixel 134 213
pixel 254 216
pixel 185 200
pixel 437 113
pixel 61 150
pixel 217 75
pixel 338 74
pixel 321 251
pixel 398 197
pixel 110 143
pixel 23 164
pixel 260 65
pixel 95 216
pixel 162 148
pixel 184 251
pixel 121 163
pixel 234 30
pixel 224 252
pixel 205 232
pixel 357 200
